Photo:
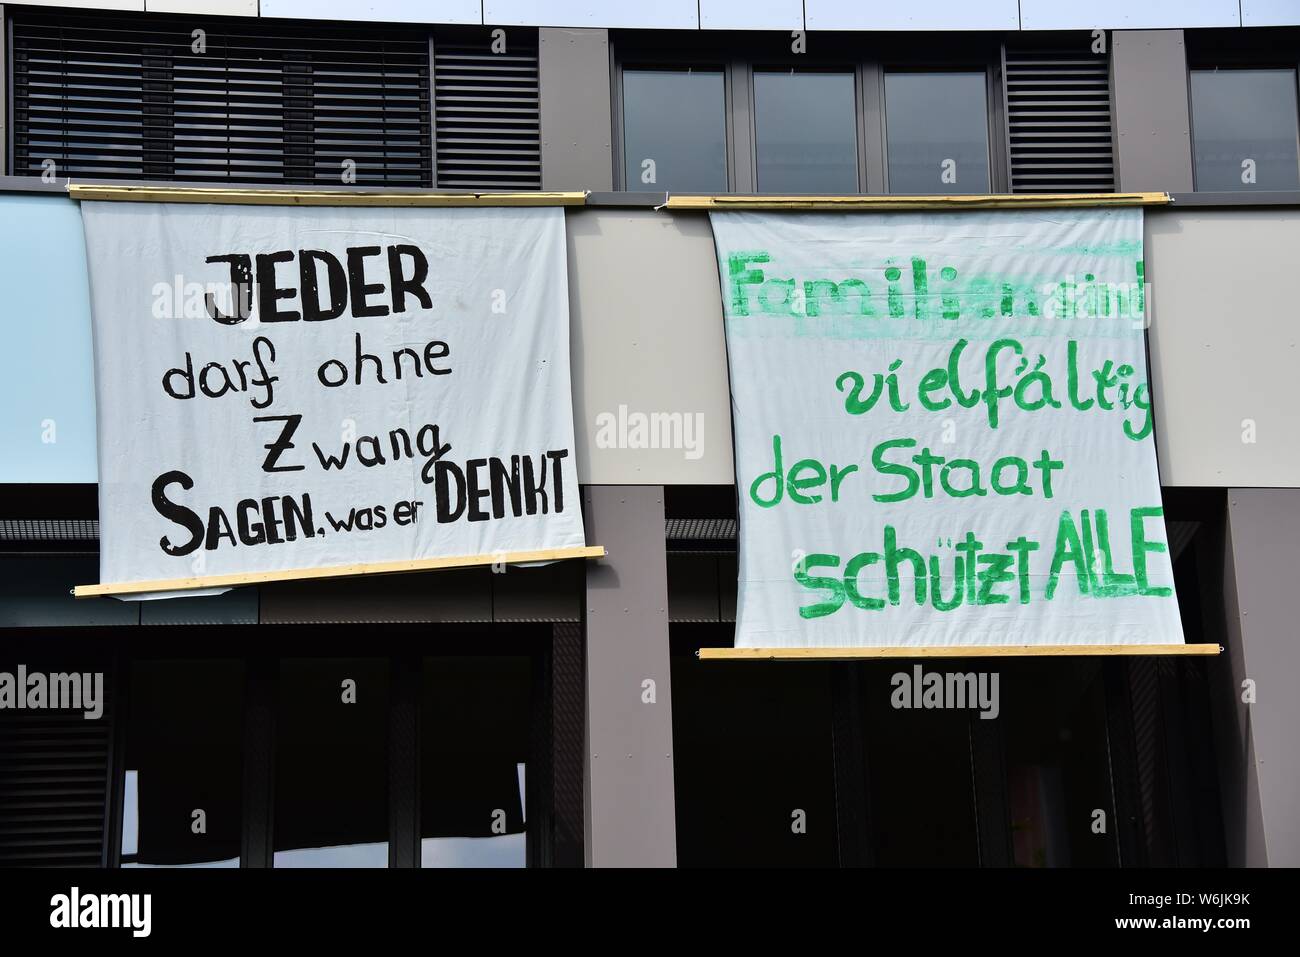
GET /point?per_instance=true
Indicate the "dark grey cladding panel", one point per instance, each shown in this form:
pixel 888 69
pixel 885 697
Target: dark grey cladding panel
pixel 693 588
pixel 728 575
pixel 544 593
pixel 453 595
pixel 235 607
pixel 36 592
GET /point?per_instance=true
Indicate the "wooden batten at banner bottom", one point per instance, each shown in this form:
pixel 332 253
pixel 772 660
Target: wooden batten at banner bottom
pixel 902 203
pixel 951 651
pixel 335 571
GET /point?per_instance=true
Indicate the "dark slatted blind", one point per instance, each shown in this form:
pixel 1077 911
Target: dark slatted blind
pixel 128 97
pixel 54 772
pixel 488 113
pixel 1059 119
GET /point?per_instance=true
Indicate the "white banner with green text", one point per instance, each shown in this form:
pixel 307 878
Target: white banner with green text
pixel 943 429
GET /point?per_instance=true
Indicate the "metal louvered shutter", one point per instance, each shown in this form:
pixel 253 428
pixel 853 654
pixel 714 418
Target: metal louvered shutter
pixel 54 772
pixel 127 96
pixel 1058 112
pixel 488 105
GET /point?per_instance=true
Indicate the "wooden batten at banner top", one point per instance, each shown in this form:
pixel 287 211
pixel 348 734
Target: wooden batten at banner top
pixel 317 197
pixel 902 203
pixel 335 571
pixel 271 196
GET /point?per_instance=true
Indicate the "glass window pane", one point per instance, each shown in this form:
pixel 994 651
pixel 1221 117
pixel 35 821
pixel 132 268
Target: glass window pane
pixel 1244 126
pixel 753 749
pixel 807 132
pixel 937 132
pixel 929 821
pixel 182 796
pixel 1057 763
pixel 674 130
pixel 474 734
pixel 331 763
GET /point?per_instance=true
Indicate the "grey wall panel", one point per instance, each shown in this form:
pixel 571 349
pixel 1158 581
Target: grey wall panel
pixel 1152 125
pixel 1127 15
pixel 573 68
pixel 647 340
pixel 1270 13
pixel 751 14
pixel 659 15
pixel 1243 830
pixel 1264 529
pixel 463 595
pixel 630 811
pixel 915 15
pixel 1224 345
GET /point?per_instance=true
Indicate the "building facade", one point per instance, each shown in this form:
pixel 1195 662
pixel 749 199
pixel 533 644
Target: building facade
pixel 559 715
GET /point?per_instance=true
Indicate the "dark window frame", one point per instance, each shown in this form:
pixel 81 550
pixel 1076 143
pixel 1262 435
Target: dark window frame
pixel 682 63
pixel 1277 48
pixel 1235 67
pixel 405 648
pixel 793 66
pixel 867 56
pixel 992 94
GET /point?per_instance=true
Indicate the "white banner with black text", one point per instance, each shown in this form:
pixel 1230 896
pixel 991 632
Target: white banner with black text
pixel 284 389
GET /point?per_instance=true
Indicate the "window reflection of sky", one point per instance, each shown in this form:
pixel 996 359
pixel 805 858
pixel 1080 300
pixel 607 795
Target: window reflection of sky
pixel 500 850
pixel 350 855
pixel 131 828
pixel 453 850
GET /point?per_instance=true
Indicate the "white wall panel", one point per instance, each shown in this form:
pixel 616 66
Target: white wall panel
pixel 646 338
pixel 647 334
pixel 1270 13
pixel 1127 14
pixel 225 8
pixel 396 11
pixel 643 14
pixel 751 14
pixel 1224 345
pixel 82 4
pixel 913 15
